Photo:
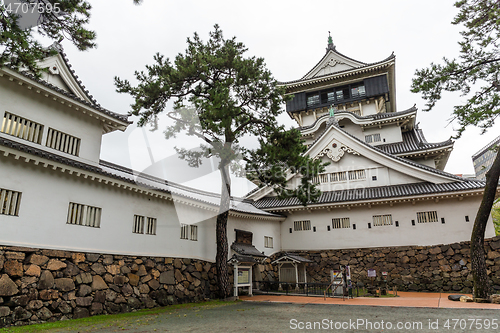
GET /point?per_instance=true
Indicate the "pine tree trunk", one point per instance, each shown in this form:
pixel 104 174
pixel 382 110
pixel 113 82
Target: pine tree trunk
pixel 479 272
pixel 221 235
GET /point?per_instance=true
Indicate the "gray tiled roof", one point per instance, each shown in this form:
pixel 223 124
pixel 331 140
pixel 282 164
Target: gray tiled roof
pixel 59 49
pixel 339 72
pixel 404 160
pixel 246 249
pixel 489 146
pixel 93 104
pixel 293 257
pixel 413 141
pixel 242 259
pixel 371 193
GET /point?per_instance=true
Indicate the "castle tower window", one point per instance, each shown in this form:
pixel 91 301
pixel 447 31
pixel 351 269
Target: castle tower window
pixel 358 90
pixel 138 227
pixel 22 128
pixel 184 231
pixel 302 225
pixel 357 175
pixel 194 233
pixel 427 217
pixel 341 223
pixel 382 220
pixel 63 142
pixel 85 215
pixel 327 96
pixel 9 202
pixel 151 226
pixel 268 242
pixel 372 138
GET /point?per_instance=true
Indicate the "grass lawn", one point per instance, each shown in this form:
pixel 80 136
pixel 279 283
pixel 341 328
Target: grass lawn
pixel 122 321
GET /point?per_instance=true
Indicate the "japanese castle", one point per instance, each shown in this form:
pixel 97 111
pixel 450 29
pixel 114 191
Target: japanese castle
pixel 384 186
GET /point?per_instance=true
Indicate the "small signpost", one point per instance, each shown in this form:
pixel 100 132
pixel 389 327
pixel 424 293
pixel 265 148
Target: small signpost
pixel 384 291
pixel 372 274
pixel 242 278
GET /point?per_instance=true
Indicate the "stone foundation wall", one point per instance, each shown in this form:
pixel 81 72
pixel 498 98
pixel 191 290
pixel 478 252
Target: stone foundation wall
pixel 443 268
pixel 47 285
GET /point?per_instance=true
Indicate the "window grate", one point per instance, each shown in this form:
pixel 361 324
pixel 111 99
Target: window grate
pixel 338 176
pixel 427 217
pixel 84 215
pixel 268 242
pixel 138 224
pixel 22 128
pixel 184 231
pixel 302 225
pixel 9 202
pixel 357 175
pixel 151 226
pixel 373 138
pixel 63 142
pixel 341 223
pixel 194 233
pixel 381 220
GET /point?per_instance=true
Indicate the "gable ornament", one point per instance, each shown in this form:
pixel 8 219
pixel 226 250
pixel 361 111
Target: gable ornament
pixel 335 150
pixel 332 63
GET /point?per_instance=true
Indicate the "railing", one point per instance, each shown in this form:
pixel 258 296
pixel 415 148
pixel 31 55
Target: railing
pixel 289 288
pixel 305 289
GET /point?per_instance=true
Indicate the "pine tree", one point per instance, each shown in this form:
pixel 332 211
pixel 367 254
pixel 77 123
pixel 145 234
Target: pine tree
pixel 58 19
pixel 220 96
pixel 474 74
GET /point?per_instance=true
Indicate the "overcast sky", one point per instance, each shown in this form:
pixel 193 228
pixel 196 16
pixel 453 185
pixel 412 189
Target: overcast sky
pixel 291 36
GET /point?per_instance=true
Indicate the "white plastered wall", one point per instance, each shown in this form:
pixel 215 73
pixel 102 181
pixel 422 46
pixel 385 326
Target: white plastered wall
pixel 46 195
pixel 455 228
pixel 260 229
pixel 29 104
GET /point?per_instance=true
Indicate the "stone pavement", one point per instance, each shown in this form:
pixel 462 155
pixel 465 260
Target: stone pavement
pixel 404 299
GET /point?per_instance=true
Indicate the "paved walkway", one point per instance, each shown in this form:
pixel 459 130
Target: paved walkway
pixel 404 299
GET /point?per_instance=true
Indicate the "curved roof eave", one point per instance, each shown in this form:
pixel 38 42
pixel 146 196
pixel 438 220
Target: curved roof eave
pixel 360 120
pixel 347 72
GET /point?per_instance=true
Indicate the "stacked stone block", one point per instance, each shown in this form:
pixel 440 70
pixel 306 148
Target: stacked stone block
pixel 46 285
pixel 442 268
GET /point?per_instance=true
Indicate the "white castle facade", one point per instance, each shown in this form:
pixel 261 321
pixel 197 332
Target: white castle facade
pixel 384 185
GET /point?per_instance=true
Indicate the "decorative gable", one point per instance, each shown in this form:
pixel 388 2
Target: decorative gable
pixel 61 76
pixel 332 62
pixel 335 150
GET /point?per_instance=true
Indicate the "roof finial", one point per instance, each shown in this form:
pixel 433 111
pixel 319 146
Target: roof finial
pixel 331 46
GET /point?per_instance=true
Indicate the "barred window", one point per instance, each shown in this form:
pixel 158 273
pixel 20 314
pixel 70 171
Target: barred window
pixel 22 128
pixel 372 138
pixel 357 175
pixel 340 223
pixel 151 226
pixel 338 176
pixel 138 224
pixel 84 215
pixel 194 233
pixel 268 242
pixel 63 142
pixel 302 225
pixel 426 217
pixel 184 231
pixel 381 220
pixel 9 202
